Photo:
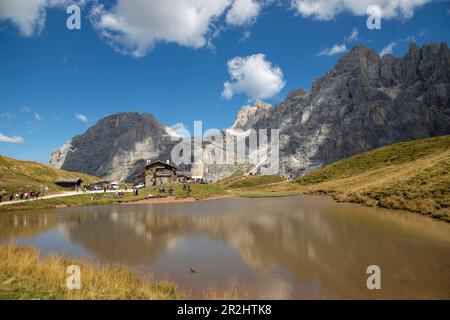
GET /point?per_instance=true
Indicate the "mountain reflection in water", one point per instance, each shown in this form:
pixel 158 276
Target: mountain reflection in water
pixel 299 247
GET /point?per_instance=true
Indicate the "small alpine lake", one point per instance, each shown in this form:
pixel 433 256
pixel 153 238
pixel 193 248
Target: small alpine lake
pixel 302 247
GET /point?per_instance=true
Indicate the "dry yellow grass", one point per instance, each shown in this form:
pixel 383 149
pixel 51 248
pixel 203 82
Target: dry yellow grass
pixel 248 181
pixel 24 275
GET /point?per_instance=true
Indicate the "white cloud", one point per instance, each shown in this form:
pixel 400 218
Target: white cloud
pixel 243 12
pixel 6 116
pixel 353 36
pixel 389 49
pixel 37 117
pixel 14 139
pixel 245 36
pixel 329 9
pixel 254 76
pixel 28 15
pixel 135 27
pixel 81 117
pixel 25 109
pixel 336 49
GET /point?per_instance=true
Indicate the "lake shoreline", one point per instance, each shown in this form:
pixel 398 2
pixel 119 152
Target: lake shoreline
pixel 172 199
pixel 262 189
pixel 243 193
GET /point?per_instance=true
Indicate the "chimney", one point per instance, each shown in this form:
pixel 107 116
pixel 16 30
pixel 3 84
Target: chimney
pixel 168 161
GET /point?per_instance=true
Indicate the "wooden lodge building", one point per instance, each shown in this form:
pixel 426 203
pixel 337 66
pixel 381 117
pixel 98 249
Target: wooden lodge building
pixel 158 172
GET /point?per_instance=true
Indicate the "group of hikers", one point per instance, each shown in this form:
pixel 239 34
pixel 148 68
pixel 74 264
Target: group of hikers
pixel 27 195
pixel 163 192
pixel 117 195
pixel 161 189
pixel 171 191
pixel 187 187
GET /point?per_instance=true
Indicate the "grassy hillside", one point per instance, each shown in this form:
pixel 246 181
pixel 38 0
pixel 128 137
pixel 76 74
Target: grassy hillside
pixel 248 181
pixel 16 176
pixel 414 176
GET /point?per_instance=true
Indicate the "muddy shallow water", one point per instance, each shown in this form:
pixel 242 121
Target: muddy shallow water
pixel 303 247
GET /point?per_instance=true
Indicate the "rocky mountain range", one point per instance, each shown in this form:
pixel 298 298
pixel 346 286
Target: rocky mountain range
pixel 364 102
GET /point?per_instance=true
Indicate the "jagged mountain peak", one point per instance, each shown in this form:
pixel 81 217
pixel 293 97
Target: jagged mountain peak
pixel 250 114
pixel 358 57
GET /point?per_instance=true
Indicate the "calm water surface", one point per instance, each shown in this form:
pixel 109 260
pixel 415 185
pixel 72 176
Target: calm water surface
pixel 287 248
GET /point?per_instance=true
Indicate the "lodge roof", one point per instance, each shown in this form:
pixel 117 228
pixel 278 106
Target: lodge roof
pixel 159 162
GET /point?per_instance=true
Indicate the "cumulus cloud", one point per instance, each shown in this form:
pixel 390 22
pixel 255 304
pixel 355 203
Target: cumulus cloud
pixel 245 36
pixel 336 49
pixel 6 116
pixel 13 139
pixel 37 117
pixel 254 76
pixel 389 49
pixel 353 36
pixel 134 27
pixel 328 9
pixel 81 117
pixel 25 109
pixel 29 15
pixel 243 12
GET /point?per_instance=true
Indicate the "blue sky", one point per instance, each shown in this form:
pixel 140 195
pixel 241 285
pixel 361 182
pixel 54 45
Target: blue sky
pixel 55 82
